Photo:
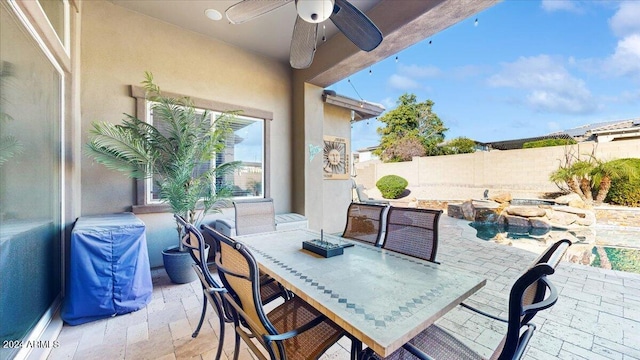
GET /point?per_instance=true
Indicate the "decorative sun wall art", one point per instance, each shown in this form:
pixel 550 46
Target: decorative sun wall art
pixel 335 160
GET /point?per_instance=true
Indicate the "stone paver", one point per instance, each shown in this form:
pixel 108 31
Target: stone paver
pixel 596 316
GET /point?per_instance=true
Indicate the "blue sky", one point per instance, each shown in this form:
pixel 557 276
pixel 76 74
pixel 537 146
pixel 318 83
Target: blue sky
pixel 527 69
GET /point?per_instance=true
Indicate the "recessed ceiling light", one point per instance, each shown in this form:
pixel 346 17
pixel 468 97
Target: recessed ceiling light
pixel 213 14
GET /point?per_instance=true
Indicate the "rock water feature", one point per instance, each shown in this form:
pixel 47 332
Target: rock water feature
pixel 528 223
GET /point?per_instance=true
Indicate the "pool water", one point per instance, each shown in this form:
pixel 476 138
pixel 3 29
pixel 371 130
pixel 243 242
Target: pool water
pixel 619 247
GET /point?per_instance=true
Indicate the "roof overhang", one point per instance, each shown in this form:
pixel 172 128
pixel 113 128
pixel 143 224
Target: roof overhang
pixel 362 109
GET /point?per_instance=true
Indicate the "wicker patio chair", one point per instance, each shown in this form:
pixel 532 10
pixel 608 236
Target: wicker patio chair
pixel 194 241
pixel 254 216
pixel 364 223
pixel 412 232
pixel 293 330
pixel 531 293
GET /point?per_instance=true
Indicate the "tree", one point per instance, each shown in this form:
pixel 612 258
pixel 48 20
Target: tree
pixel 604 172
pixel 410 119
pixel 459 145
pixel 404 149
pixel 582 170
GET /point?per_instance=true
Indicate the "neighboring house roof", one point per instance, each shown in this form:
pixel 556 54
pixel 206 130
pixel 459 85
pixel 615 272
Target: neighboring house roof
pixel 367 149
pixel 590 131
pixel 362 109
pixel 518 143
pixel 601 132
pixel 629 129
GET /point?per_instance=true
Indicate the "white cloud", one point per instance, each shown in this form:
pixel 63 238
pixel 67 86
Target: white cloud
pixel 550 87
pixel 626 20
pixel 553 126
pixel 389 103
pixel 467 71
pixel 560 5
pixel 625 61
pixel 426 71
pixel 403 82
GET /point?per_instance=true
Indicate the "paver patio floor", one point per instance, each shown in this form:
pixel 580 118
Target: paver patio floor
pixel 596 317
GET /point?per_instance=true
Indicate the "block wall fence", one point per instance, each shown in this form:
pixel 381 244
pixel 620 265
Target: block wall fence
pixel 524 172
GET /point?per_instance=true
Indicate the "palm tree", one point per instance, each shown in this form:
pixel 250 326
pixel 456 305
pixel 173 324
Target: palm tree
pixel 173 153
pixel 566 175
pixel 603 173
pixel 582 170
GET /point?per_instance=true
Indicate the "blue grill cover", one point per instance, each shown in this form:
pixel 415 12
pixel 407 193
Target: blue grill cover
pixel 109 272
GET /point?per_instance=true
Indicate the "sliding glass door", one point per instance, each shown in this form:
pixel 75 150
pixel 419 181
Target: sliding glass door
pixel 31 111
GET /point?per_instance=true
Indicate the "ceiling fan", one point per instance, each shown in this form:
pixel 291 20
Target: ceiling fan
pixel 353 23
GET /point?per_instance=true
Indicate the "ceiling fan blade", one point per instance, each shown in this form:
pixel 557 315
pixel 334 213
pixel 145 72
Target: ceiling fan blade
pixel 356 26
pixel 303 44
pixel 250 9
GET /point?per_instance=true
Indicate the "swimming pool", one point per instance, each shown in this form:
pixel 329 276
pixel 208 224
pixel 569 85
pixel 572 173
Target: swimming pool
pixel 617 248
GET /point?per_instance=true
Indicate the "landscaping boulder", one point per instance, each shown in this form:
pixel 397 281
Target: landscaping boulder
pixel 501 197
pixel 485 211
pixel 572 199
pixel 486 214
pixel 468 212
pixel 562 220
pixel 526 211
pixel 518 221
pixel 455 211
pixel 540 223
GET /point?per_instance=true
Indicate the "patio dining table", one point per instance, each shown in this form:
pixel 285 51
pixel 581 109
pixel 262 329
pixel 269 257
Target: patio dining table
pixel 380 297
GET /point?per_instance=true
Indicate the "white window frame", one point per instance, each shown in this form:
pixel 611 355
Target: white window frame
pixel 144 201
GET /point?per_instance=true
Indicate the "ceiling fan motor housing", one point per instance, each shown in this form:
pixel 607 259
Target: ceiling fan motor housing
pixel 314 11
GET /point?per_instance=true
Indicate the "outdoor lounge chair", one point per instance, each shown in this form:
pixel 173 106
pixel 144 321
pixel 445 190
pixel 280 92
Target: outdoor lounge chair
pixel 365 223
pixel 194 241
pixel 412 232
pixel 532 292
pixel 363 198
pixel 254 216
pixel 293 330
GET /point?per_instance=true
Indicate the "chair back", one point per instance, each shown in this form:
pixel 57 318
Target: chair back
pixel 239 273
pixel 412 232
pixel 255 216
pixel 194 242
pixel 532 292
pixel 364 223
pixel 551 256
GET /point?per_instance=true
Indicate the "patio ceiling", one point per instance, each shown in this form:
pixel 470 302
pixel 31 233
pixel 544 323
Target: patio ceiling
pixel 403 24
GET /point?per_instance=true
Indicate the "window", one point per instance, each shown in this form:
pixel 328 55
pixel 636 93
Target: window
pixel 247 143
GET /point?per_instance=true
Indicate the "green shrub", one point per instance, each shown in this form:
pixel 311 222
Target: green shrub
pixel 626 191
pixel 547 142
pixel 391 186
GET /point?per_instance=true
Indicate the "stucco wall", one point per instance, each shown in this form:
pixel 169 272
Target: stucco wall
pixel 118 45
pixel 336 193
pixel 523 172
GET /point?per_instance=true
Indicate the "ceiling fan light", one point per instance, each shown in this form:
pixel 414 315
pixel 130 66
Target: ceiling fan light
pixel 314 11
pixel 213 14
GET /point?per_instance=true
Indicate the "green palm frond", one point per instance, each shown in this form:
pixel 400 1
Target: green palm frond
pixel 119 148
pixel 9 147
pixel 176 151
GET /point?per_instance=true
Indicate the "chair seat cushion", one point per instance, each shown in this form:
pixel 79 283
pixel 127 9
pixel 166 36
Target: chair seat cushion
pixel 311 343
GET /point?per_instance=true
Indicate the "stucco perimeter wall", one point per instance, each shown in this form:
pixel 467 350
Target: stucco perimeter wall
pixel 525 172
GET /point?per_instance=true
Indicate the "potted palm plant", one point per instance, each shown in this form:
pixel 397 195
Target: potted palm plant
pixel 176 152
